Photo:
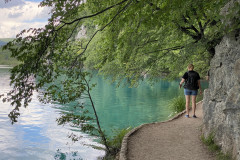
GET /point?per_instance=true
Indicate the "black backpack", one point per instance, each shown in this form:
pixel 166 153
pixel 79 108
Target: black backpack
pixel 191 82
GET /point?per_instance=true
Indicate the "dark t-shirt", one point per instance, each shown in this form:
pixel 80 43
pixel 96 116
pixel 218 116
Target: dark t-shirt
pixel 191 80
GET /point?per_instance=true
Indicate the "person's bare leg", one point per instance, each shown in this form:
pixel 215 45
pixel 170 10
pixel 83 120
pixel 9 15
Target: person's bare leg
pixel 194 104
pixel 187 103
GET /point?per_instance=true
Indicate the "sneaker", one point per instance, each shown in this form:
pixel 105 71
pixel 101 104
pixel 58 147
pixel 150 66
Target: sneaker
pixel 187 116
pixel 194 116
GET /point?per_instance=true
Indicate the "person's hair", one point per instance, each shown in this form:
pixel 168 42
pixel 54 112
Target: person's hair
pixel 190 66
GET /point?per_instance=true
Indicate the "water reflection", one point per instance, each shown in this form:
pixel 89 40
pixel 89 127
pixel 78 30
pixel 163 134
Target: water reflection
pixel 37 136
pixel 123 107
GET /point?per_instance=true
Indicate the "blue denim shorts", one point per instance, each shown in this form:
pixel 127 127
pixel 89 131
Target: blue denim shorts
pixel 190 92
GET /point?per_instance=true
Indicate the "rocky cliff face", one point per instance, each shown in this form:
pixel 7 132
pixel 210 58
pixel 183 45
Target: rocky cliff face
pixel 221 105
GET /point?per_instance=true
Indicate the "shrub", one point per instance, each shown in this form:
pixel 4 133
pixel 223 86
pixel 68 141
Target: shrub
pixel 177 104
pixel 209 141
pixel 115 143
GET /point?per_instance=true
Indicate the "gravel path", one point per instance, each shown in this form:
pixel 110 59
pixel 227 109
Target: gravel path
pixel 178 139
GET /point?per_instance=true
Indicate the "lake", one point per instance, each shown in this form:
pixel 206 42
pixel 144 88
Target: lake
pixel 36 135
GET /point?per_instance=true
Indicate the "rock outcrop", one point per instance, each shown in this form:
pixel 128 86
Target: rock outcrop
pixel 221 105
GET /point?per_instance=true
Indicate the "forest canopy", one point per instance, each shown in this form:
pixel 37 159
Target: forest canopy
pixel 124 39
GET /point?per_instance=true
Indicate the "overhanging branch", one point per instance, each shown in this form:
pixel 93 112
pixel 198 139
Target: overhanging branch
pixel 101 30
pixel 167 49
pixel 186 31
pixel 89 16
pixel 205 25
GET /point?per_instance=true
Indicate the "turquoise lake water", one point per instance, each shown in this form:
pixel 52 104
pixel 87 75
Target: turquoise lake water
pixel 37 136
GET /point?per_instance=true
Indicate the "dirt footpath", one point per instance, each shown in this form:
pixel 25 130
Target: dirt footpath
pixel 178 139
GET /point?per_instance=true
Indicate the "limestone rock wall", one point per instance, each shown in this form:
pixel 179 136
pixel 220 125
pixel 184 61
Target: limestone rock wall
pixel 221 104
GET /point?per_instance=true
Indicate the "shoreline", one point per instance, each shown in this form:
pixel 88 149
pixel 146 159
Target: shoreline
pixel 5 66
pixel 124 146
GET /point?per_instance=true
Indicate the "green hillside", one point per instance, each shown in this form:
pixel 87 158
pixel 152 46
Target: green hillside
pixel 5 56
pixel 6 39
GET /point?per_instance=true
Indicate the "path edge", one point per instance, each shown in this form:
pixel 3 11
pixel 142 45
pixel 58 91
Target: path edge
pixel 123 151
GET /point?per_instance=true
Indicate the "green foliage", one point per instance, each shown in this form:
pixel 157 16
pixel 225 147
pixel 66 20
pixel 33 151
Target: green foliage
pixel 6 59
pixel 209 141
pixel 115 142
pixel 199 97
pixel 74 120
pixel 177 104
pixel 155 37
pixel 222 156
pixel 59 155
pixel 126 39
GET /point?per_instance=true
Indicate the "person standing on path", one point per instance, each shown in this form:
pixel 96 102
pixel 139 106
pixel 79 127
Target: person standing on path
pixel 191 86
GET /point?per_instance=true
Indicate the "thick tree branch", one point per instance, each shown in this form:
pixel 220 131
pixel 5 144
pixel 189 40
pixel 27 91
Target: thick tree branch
pixel 167 49
pixel 205 25
pixel 185 19
pixel 186 31
pixel 201 29
pixel 89 16
pixel 195 29
pixel 47 42
pixel 97 119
